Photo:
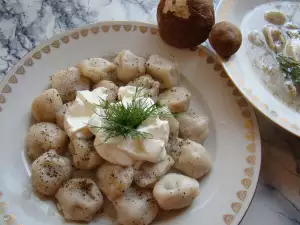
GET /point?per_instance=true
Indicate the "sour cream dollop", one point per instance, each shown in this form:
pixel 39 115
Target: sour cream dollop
pixel 80 112
pixel 126 151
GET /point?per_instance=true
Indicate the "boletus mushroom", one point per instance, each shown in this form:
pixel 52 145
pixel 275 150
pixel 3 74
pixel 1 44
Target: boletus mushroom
pixel 225 38
pixel 185 23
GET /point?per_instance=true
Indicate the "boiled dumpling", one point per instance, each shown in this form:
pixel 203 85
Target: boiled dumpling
pixel 163 70
pixel 43 137
pixel 177 99
pixel 79 199
pixel 44 107
pixel 60 114
pixel 173 124
pixel 136 207
pixel 175 191
pixel 112 89
pixel 195 129
pixel 129 66
pixel 149 84
pixel 148 173
pixel 96 69
pixel 68 81
pixel 84 154
pixel 49 171
pixel 113 179
pixel 190 157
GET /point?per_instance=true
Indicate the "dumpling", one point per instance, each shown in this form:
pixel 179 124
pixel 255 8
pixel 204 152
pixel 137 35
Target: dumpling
pixel 44 136
pixel 173 124
pixel 60 114
pixel 177 99
pixel 190 157
pixel 49 171
pixel 195 129
pixel 163 70
pixel 112 89
pixel 79 199
pixel 175 191
pixel 136 207
pixel 113 179
pixel 68 81
pixel 129 66
pixel 84 154
pixel 148 83
pixel 149 173
pixel 96 69
pixel 44 107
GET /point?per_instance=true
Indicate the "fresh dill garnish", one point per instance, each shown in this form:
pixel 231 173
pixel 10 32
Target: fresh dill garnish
pixel 290 67
pixel 123 119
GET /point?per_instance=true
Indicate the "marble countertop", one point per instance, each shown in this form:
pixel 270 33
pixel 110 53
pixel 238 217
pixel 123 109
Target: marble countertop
pixel 26 23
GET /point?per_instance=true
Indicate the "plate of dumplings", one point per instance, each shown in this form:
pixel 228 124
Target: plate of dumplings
pixel 101 129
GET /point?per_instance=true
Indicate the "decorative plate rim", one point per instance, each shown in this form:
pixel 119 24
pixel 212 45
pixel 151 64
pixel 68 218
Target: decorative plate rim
pixel 286 123
pixel 249 180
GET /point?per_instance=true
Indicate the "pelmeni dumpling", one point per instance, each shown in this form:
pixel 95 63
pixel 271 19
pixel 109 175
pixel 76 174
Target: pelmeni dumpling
pixel 129 66
pixel 195 129
pixel 113 179
pixel 84 154
pixel 173 124
pixel 49 171
pixel 44 107
pixel 136 207
pixel 112 89
pixel 175 191
pixel 43 137
pixel 68 81
pixel 164 70
pixel 96 69
pixel 79 199
pixel 177 99
pixel 190 157
pixel 60 114
pixel 149 84
pixel 149 173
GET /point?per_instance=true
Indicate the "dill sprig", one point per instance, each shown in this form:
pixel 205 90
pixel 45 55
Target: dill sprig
pixel 290 67
pixel 122 119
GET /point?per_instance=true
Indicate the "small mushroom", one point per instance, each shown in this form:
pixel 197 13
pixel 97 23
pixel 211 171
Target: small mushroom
pixel 275 17
pixel 255 38
pixel 274 38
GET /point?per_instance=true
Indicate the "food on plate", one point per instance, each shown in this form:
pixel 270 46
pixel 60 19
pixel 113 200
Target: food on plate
pixel 136 206
pixel 68 81
pixel 112 89
pixel 225 38
pixel 149 173
pixel 190 157
pixel 121 138
pixel 129 66
pixel 273 47
pixel 163 70
pixel 79 199
pixel 177 99
pixel 175 191
pixel 60 115
pixel 275 17
pixel 43 137
pixel 84 154
pixel 193 128
pixel 44 107
pixel 113 179
pixel 150 85
pixel 49 171
pixel 185 24
pixel 96 69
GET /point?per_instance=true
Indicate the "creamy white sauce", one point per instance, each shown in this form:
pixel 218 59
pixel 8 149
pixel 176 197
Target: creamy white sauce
pixel 261 56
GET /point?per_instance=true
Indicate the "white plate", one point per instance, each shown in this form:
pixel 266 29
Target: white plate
pixel 234 140
pixel 244 75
